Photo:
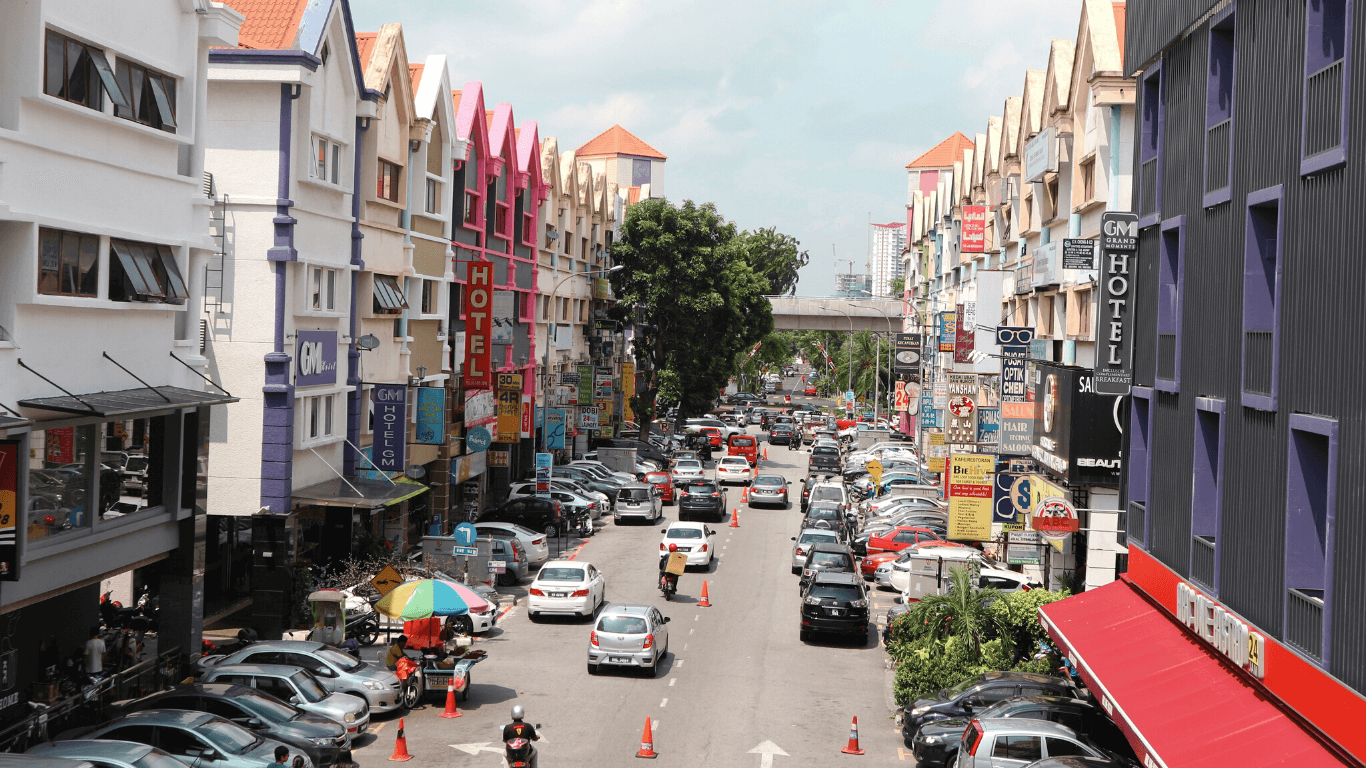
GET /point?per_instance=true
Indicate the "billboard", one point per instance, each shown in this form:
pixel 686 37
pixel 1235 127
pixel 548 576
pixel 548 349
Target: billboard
pixel 960 418
pixel 971 487
pixel 1076 431
pixel 9 511
pixel 431 415
pixel 907 360
pixel 478 367
pixel 391 426
pixel 1115 330
pixel 974 228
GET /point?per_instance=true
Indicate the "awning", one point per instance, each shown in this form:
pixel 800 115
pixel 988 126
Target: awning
pixel 388 293
pixel 128 402
pixel 337 493
pixel 1179 705
pixel 9 422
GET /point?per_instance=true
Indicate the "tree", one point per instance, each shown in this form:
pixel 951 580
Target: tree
pixel 867 350
pixel 898 286
pixel 774 256
pixel 964 612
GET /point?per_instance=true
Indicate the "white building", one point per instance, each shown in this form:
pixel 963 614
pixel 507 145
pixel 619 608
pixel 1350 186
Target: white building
pixel 103 236
pixel 629 163
pixel 888 242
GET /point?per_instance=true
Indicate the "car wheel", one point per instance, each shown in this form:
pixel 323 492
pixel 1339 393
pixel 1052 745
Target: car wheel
pixel 796 571
pixel 616 520
pixel 533 616
pixel 653 669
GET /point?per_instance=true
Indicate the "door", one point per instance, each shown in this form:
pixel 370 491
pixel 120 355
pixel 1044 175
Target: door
pixel 595 585
pixel 325 673
pixel 661 630
pixel 1014 751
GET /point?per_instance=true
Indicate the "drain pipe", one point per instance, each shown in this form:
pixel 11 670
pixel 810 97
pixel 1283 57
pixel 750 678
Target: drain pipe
pixel 1116 124
pixel 405 221
pixel 351 456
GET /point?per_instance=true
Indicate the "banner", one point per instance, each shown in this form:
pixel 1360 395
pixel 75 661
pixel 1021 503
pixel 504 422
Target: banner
pixel 964 338
pixel 478 367
pixel 431 415
pixel 509 416
pixel 9 511
pixel 391 426
pixel 554 429
pixel 628 390
pixel 971 483
pixel 1017 429
pixel 907 360
pixel 948 323
pixel 585 385
pixel 960 426
pixel 1115 326
pixel 544 463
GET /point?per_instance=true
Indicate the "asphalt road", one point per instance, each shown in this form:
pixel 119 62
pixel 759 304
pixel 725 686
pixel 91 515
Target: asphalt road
pixel 736 675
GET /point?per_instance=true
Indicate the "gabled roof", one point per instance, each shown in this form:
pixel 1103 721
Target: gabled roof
pixel 529 159
pixel 632 195
pixel 550 165
pixel 1010 135
pixel 270 24
pixel 1031 109
pixel 991 161
pixel 618 141
pixel 1119 28
pixel 415 75
pixel 471 121
pixel 365 45
pixel 500 126
pixel 1058 80
pixel 943 154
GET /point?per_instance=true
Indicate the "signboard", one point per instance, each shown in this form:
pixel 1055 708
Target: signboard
pixel 1054 517
pixel 1076 431
pixel 1079 254
pixel 938 452
pixel 315 361
pixel 974 229
pixel 588 417
pixel 970 494
pixel 528 414
pixel 504 317
pixel 874 468
pixel 1010 500
pixel 467 466
pixel 602 289
pixel 509 416
pixel 571 394
pixel 902 399
pixel 988 426
pixel 1115 353
pixel 929 417
pixel 964 340
pixel 391 426
pixel 554 423
pixel 385 581
pixel 907 360
pixel 478 439
pixel 498 458
pixel 59 445
pixel 1016 430
pixel 941 395
pixel 960 419
pixel 1024 554
pixel 431 415
pixel 544 463
pixel 628 390
pixel 570 377
pixel 948 322
pixel 478 367
pixel 1047 264
pixel 510 382
pixel 1041 155
pixel 9 511
pixel 1014 344
pixel 481 408
pixel 585 385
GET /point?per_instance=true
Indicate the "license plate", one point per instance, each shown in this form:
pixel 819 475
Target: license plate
pixel 557 594
pixel 619 659
pixel 836 612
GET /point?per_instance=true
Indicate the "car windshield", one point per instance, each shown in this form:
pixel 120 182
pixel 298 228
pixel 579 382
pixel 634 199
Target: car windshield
pixel 830 558
pixel 157 759
pixel 770 480
pixel 824 450
pixel 268 708
pixel 835 591
pixel 343 661
pixel 657 477
pixel 560 574
pixel 689 464
pixel 684 533
pixel 228 737
pixel 634 494
pixel 137 464
pixel 737 463
pixel 702 488
pixel 622 625
pixel 308 687
pixel 827 493
pixel 813 538
pixel 823 513
pixel 949 693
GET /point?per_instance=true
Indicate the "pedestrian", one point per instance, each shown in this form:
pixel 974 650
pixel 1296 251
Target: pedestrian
pixel 281 757
pixel 94 653
pixel 298 761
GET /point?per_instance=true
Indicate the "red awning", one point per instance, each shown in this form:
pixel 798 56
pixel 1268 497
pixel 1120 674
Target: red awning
pixel 1179 704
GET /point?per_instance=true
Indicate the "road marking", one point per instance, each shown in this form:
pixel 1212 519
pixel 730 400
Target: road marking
pixel 685 646
pixel 577 550
pixel 664 703
pixel 477 747
pixel 904 755
pixel 679 663
pixel 766 751
pixel 723 546
pixel 672 680
pixel 697 617
pixel 691 631
pixel 375 731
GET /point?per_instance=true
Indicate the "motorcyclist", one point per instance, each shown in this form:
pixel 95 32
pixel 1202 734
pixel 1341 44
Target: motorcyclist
pixel 664 575
pixel 517 729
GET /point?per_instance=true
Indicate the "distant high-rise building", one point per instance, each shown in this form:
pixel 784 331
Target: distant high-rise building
pixel 888 242
pixel 852 286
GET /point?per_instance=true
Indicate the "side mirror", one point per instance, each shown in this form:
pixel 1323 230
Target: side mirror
pixel 898 600
pixel 295 700
pixel 794 538
pixel 667 619
pixel 663 530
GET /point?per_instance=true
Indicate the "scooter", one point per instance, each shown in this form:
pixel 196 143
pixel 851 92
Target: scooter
pixel 520 753
pixel 668 584
pixel 410 682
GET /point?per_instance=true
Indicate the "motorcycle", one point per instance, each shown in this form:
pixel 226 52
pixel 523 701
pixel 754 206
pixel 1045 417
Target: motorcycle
pixel 410 682
pixel 520 753
pixel 668 584
pixel 363 628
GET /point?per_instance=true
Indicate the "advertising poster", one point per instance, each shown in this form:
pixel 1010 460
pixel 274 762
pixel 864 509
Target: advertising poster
pixel 907 360
pixel 974 228
pixel 988 427
pixel 59 445
pixel 554 429
pixel 478 366
pixel 948 326
pixel 509 416
pixel 498 458
pixel 964 337
pixel 431 415
pixel 544 463
pixel 481 408
pixel 9 511
pixel 1076 431
pixel 391 426
pixel 960 417
pixel 504 316
pixel 971 485
pixel 586 385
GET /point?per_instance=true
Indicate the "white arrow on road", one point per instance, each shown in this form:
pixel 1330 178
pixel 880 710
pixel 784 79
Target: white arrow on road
pixel 766 751
pixel 476 748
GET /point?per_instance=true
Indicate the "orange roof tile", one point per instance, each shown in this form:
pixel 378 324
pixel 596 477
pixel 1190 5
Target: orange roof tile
pixel 618 141
pixel 365 45
pixel 1119 28
pixel 455 99
pixel 270 24
pixel 632 195
pixel 415 74
pixel 944 154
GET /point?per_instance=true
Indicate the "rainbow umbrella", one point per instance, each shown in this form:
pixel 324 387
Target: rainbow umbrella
pixel 426 598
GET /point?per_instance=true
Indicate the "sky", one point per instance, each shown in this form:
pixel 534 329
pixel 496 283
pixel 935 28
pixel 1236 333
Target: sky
pixel 788 114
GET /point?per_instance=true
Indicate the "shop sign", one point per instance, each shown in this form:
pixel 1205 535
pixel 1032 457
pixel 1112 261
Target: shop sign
pixel 585 385
pixel 961 411
pixel 504 316
pixel 544 462
pixel 948 322
pixel 588 417
pixel 59 445
pixel 569 377
pixel 988 426
pixel 928 415
pixel 1055 518
pixel 509 416
pixel 1023 554
pixel 1079 254
pixel 1118 253
pixel 1047 260
pixel 941 395
pixel 431 415
pixel 510 382
pixel 1014 343
pixel 938 452
pixel 1017 429
pixel 1024 279
pixel 964 337
pixel 602 289
pixel 470 465
pixel 391 426
pixel 9 512
pixel 604 388
pixel 1010 500
pixel 528 413
pixel 974 228
pixel 478 366
pixel 903 398
pixel 481 407
pixel 554 429
pixel 315 362
pixel 498 458
pixel 1041 155
pixel 604 411
pixel 1076 431
pixel 478 439
pixel 907 360
pixel 970 496
pixel 1221 629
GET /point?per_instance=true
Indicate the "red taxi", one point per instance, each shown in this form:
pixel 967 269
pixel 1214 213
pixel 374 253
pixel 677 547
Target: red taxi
pixel 662 483
pixel 810 390
pixel 744 445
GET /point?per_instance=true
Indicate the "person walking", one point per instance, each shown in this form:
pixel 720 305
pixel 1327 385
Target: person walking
pixel 94 653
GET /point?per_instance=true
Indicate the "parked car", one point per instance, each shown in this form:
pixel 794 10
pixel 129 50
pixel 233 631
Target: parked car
pixel 298 687
pixel 1008 742
pixel 827 515
pixel 197 739
pixel 33 759
pixel 805 540
pixel 566 586
pixel 534 542
pixel 734 469
pixel 644 449
pixel 692 539
pixel 769 489
pixel 826 558
pixel 900 538
pixel 640 501
pixel 703 497
pixel 936 744
pixel 509 551
pixel 629 635
pixel 100 753
pixel 529 512
pixel 688 470
pixel 602 501
pixel 835 603
pixel 337 671
pixel 977 693
pixel 744 445
pixel 824 458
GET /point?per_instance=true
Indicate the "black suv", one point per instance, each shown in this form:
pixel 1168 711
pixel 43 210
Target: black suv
pixel 781 433
pixel 745 398
pixel 936 743
pixel 824 458
pixel 835 602
pixel 827 558
pixel 529 512
pixel 825 515
pixel 976 694
pixel 702 497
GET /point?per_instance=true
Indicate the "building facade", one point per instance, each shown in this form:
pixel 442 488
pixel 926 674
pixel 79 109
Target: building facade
pixel 889 240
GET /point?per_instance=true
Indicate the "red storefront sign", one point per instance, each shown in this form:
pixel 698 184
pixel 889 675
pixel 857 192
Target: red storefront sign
pixel 9 511
pixel 974 228
pixel 59 445
pixel 478 352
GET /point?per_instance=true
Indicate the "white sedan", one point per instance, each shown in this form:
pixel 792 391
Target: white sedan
pixel 693 539
pixel 566 586
pixel 534 542
pixel 734 469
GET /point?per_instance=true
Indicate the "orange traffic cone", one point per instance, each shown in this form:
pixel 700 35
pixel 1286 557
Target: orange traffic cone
pixel 647 742
pixel 744 495
pixel 451 709
pixel 401 746
pixel 735 518
pixel 704 603
pixel 765 454
pixel 852 748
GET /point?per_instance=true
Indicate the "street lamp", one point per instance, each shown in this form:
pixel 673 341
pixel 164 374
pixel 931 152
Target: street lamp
pixel 850 377
pixel 877 361
pixel 549 323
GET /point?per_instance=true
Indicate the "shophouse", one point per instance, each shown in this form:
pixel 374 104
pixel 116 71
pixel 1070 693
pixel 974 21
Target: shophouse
pixel 627 163
pixel 107 403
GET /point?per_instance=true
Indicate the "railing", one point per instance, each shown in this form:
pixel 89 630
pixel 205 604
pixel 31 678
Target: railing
pixel 1323 110
pixel 1138 514
pixel 1147 186
pixel 1304 622
pixel 1217 155
pixel 1166 356
pixel 1258 352
pixel 1202 560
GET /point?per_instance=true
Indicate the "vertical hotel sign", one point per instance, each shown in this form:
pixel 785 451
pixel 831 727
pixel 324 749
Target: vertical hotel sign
pixel 9 512
pixel 1114 371
pixel 478 351
pixel 391 426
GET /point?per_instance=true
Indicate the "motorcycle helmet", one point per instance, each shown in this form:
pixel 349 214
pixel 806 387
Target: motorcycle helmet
pixel 517 712
pixel 673 547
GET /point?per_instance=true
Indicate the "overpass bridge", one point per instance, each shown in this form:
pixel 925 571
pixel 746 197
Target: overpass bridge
pixel 806 313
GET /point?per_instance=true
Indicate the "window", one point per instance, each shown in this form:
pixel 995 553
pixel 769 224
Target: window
pixel 502 219
pixel 429 288
pixel 389 297
pixel 144 272
pixel 322 288
pixel 640 172
pixel 433 196
pixel 1088 180
pixel 467 176
pixel 326 165
pixel 150 96
pixel 1061 747
pixel 326 52
pixel 568 244
pixel 1311 491
pixel 1323 142
pixel 1219 110
pixel 387 181
pixel 1206 492
pixel 78 73
pixel 1170 276
pixel 1150 147
pixel 1025 748
pixel 1261 299
pixel 68 263
pixel 62 481
pixel 318 418
pixel 1137 458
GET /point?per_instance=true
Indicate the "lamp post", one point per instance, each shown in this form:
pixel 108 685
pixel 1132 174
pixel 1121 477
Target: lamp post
pixel 850 378
pixel 877 364
pixel 550 323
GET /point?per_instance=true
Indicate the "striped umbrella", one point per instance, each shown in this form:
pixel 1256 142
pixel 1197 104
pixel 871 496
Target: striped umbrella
pixel 426 598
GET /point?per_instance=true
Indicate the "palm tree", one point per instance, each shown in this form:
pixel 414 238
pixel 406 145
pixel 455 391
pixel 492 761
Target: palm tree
pixel 866 352
pixel 963 612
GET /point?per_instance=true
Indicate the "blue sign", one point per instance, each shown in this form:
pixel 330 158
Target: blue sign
pixel 391 426
pixel 544 463
pixel 431 415
pixel 554 436
pixel 478 439
pixel 465 534
pixel 989 425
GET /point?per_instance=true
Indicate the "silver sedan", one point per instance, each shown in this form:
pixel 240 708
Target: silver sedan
pixel 768 489
pixel 805 539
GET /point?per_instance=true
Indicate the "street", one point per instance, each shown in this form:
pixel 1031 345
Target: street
pixel 736 675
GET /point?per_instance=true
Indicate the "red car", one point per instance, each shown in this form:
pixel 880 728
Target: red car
pixel 809 391
pixel 871 562
pixel 744 445
pixel 900 538
pixel 664 484
pixel 714 433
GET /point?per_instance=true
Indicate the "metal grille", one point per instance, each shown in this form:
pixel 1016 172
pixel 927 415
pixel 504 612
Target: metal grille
pixel 1217 156
pixel 1258 349
pixel 1138 512
pixel 1147 185
pixel 1166 356
pixel 1323 110
pixel 1202 560
pixel 1304 622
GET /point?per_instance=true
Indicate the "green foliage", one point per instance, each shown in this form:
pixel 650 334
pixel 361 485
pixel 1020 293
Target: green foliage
pixel 1019 613
pixel 963 612
pixel 867 350
pixel 774 257
pixel 898 286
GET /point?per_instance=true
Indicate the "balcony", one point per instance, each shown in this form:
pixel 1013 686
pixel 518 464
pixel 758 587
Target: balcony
pixel 1258 354
pixel 1166 356
pixel 1323 110
pixel 1217 143
pixel 1202 560
pixel 1138 514
pixel 1304 621
pixel 1147 186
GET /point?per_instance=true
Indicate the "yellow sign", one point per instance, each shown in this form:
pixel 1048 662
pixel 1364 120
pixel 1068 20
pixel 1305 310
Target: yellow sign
pixel 874 468
pixel 628 390
pixel 385 581
pixel 604 411
pixel 509 416
pixel 936 438
pixel 971 482
pixel 510 381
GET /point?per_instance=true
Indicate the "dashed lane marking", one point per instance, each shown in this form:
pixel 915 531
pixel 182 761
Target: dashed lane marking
pixel 664 703
pixel 679 663
pixel 685 646
pixel 672 680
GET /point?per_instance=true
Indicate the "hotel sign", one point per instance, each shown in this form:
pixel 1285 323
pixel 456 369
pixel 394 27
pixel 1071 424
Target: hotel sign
pixel 478 348
pixel 1118 256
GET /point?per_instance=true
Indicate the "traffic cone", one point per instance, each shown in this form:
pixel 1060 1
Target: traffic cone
pixel 852 748
pixel 744 495
pixel 647 742
pixel 704 603
pixel 401 746
pixel 735 518
pixel 451 709
pixel 765 454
